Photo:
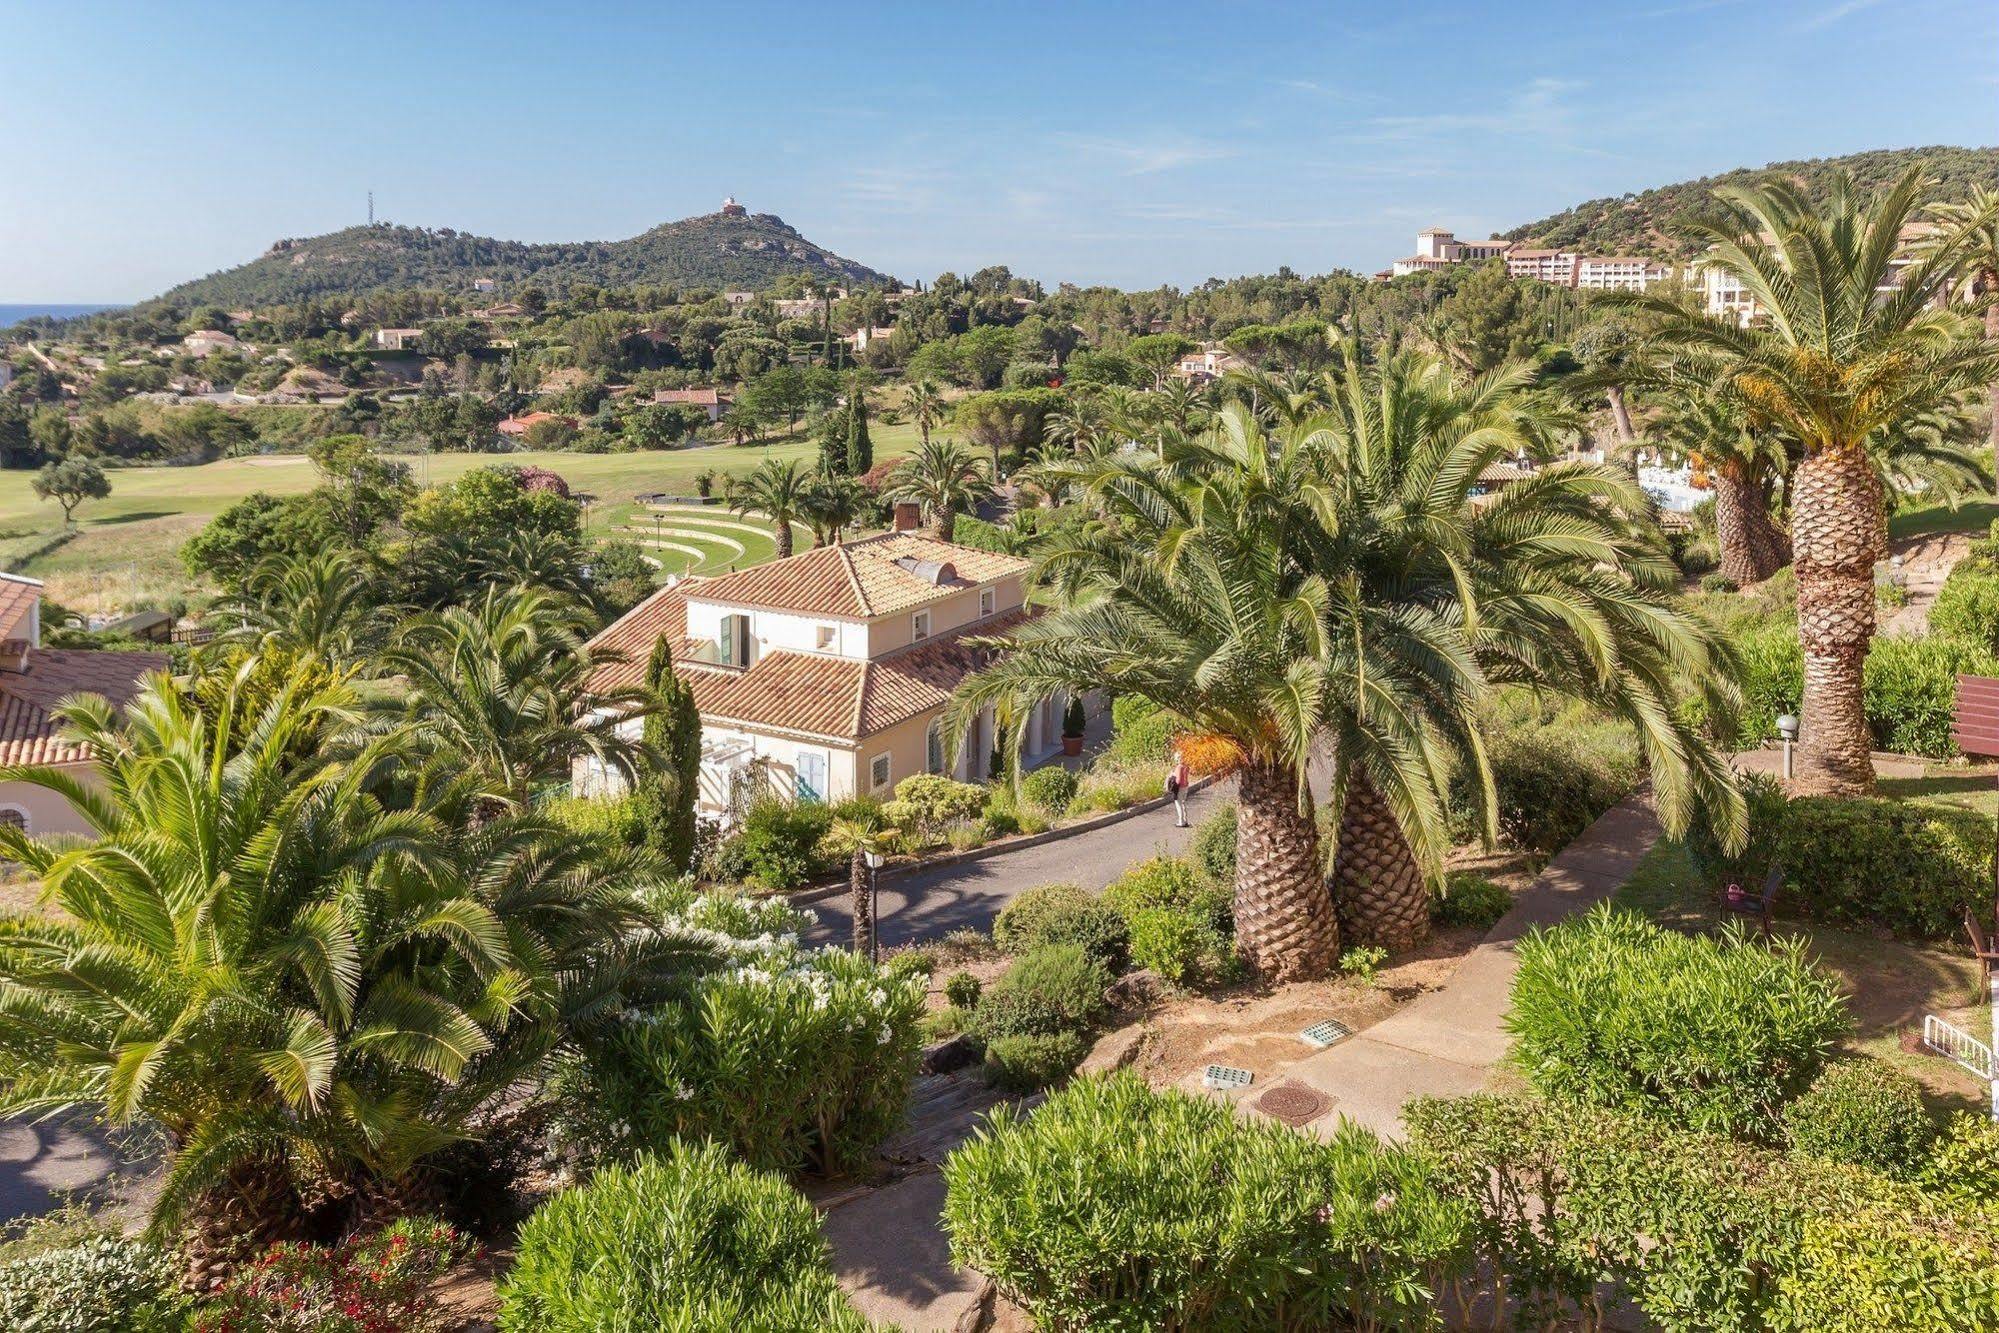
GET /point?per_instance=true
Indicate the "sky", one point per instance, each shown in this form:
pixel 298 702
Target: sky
pixel 1132 144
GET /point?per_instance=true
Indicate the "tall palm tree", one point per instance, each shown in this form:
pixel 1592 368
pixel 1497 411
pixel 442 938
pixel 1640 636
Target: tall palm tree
pixel 1970 233
pixel 493 695
pixel 864 832
pixel 323 605
pixel 831 506
pixel 1842 351
pixel 945 479
pixel 1557 583
pixel 1745 461
pixel 777 489
pixel 923 402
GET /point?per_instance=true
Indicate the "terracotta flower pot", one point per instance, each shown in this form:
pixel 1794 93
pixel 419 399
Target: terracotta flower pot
pixel 1072 745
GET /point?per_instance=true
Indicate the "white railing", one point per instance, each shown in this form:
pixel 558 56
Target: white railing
pixel 1956 1044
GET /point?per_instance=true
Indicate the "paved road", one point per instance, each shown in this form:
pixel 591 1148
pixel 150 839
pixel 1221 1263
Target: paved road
pixel 38 1162
pixel 928 904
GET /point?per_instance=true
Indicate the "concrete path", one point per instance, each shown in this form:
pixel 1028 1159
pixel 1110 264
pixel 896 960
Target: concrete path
pixel 929 904
pixel 1448 1042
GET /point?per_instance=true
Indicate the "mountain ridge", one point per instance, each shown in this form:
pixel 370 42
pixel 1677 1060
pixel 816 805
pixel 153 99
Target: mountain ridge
pixel 723 249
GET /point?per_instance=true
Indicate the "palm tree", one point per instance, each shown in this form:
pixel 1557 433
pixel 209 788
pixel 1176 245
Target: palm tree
pixel 778 490
pixel 924 403
pixel 493 695
pixel 1843 351
pixel 1557 583
pixel 306 988
pixel 864 832
pixel 831 506
pixel 1745 463
pixel 945 479
pixel 1969 232
pixel 322 605
pixel 1197 605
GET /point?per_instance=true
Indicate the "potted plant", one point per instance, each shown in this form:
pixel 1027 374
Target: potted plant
pixel 1072 726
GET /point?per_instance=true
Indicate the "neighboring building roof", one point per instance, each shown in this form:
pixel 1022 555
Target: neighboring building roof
pixel 522 424
pixel 28 734
pixel 18 598
pixel 861 580
pixel 708 397
pixel 1503 472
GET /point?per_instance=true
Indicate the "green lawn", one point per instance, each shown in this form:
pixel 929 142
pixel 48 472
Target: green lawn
pixel 123 552
pixel 1974 516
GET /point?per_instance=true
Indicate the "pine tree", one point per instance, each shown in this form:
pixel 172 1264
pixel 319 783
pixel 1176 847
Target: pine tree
pixel 673 733
pixel 860 448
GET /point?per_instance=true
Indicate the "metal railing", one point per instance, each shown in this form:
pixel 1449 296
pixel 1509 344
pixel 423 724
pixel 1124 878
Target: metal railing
pixel 1954 1043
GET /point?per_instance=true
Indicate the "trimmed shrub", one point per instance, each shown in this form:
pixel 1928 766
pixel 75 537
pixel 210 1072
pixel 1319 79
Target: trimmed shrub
pixel 1162 881
pixel 1863 1113
pixel 962 989
pixel 777 847
pixel 1471 900
pixel 1028 1062
pixel 1714 1033
pixel 1967 606
pixel 687 1240
pixel 1911 685
pixel 1111 1206
pixel 1179 945
pixel 1555 768
pixel 378 1282
pixel 1963 1166
pixel 1063 914
pixel 1909 867
pixel 796 1060
pixel 1213 847
pixel 1050 789
pixel 928 803
pixel 1057 988
pixel 90 1280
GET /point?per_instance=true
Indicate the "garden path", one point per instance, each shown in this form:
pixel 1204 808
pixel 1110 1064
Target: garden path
pixel 1926 562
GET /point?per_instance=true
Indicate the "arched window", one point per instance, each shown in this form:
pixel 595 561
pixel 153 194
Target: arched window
pixel 14 817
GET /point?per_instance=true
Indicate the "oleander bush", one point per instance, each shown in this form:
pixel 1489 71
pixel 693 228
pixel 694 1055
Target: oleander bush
pixel 1213 848
pixel 1908 867
pixel 777 846
pixel 1118 1207
pixel 1863 1113
pixel 69 1272
pixel 1967 606
pixel 378 1283
pixel 1471 900
pixel 1698 1232
pixel 796 1059
pixel 688 1240
pixel 1049 789
pixel 1063 914
pixel 1707 1032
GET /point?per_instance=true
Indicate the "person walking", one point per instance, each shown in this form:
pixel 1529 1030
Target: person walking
pixel 1176 788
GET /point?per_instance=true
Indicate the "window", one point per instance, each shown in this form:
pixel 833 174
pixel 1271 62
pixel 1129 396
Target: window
pixel 919 625
pixel 825 638
pixel 14 817
pixel 735 640
pixel 933 748
pixel 878 773
pixel 987 599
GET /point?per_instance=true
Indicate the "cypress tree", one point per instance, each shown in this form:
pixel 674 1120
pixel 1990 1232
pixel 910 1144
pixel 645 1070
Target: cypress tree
pixel 667 795
pixel 860 448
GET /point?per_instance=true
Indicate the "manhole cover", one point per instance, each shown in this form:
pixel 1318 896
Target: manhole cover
pixel 1225 1076
pixel 1325 1034
pixel 1293 1103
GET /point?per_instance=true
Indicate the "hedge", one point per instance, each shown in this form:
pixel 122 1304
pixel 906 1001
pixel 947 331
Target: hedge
pixel 1910 684
pixel 1863 1113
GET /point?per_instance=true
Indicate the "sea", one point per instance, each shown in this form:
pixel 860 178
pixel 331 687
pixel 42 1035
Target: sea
pixel 14 314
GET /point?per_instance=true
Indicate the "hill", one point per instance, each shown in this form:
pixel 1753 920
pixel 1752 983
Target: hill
pixel 725 250
pixel 1641 224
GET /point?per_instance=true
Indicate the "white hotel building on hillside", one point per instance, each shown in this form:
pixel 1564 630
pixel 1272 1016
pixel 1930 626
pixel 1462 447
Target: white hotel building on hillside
pixel 1437 248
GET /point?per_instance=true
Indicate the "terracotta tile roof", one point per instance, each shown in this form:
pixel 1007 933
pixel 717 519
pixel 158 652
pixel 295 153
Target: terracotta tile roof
pixel 1493 472
pixel 708 397
pixel 860 580
pixel 632 635
pixel 28 735
pixel 18 598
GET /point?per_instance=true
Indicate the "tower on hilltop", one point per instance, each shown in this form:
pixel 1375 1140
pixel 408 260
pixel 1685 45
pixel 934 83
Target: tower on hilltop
pixel 732 209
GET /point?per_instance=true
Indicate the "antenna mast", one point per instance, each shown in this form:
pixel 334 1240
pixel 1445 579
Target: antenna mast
pixel 371 208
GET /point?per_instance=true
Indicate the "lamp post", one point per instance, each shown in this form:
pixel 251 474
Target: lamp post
pixel 1787 727
pixel 874 860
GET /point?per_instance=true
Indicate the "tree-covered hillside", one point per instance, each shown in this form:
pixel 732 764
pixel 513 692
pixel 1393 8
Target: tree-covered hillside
pixel 1642 224
pixel 714 250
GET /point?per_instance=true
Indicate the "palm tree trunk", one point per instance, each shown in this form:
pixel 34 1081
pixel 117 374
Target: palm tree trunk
pixel 1990 282
pixel 946 523
pixel 1283 915
pixel 1838 530
pixel 780 531
pixel 864 907
pixel 1378 888
pixel 1753 547
pixel 1620 413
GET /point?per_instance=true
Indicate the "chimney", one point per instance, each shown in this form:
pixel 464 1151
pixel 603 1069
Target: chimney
pixel 908 515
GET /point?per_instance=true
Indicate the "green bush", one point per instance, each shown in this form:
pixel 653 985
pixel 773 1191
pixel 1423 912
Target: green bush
pixel 1863 1113
pixel 1714 1033
pixel 1167 881
pixel 1120 1208
pixel 794 1059
pixel 928 803
pixel 1967 606
pixel 1773 678
pixel 384 1280
pixel 689 1240
pixel 1911 686
pixel 1713 583
pixel 1050 788
pixel 962 989
pixel 1555 768
pixel 1213 847
pixel 1471 900
pixel 1180 945
pixel 1908 867
pixel 1028 1062
pixel 777 847
pixel 1057 988
pixel 1963 1166
pixel 1141 731
pixel 998 821
pixel 90 1279
pixel 1063 914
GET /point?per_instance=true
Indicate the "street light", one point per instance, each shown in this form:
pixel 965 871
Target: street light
pixel 1787 727
pixel 874 860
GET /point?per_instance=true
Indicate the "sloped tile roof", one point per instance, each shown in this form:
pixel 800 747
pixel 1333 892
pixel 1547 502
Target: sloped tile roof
pixel 17 602
pixel 631 636
pixel 860 580
pixel 28 734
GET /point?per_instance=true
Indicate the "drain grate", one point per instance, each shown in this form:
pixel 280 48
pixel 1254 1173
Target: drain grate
pixel 1226 1077
pixel 1325 1034
pixel 1294 1104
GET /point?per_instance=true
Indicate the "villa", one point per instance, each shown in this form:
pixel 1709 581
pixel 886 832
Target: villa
pixel 826 675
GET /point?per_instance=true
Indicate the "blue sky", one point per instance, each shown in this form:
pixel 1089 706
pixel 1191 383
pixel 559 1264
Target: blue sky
pixel 1134 144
